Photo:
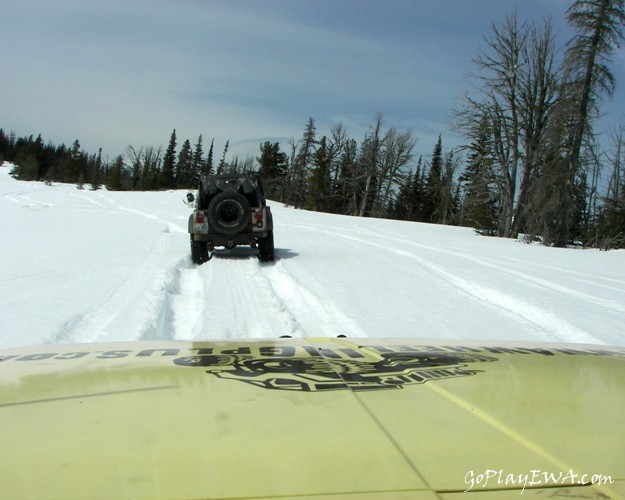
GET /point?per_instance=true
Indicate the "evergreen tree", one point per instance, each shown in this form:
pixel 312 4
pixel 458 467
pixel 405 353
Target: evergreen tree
pixel 76 165
pixel 221 168
pixel 433 186
pixel 417 194
pixel 479 208
pixel 401 208
pixel 197 162
pixel 5 151
pixel 113 179
pixel 167 175
pixel 96 177
pixel 318 192
pixel 184 166
pixel 26 159
pixel 302 164
pixel 208 165
pixel 272 167
pixel 447 209
pixel 346 185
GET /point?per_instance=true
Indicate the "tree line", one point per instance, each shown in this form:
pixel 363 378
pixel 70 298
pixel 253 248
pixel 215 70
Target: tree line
pixel 531 165
pixel 144 168
pixel 380 177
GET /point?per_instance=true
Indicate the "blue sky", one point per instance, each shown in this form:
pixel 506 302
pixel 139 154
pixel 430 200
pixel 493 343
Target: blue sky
pixel 114 73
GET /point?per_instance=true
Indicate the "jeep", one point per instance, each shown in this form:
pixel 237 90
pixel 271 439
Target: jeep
pixel 230 210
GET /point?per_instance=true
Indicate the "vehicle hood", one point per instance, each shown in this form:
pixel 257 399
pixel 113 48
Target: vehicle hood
pixel 312 417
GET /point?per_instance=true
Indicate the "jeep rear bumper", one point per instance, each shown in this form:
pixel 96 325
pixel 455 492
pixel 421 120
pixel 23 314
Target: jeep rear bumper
pixel 230 240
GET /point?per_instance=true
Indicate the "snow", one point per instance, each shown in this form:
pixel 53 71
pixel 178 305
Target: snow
pixel 98 266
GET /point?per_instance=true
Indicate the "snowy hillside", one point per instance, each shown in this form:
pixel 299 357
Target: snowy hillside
pixel 83 266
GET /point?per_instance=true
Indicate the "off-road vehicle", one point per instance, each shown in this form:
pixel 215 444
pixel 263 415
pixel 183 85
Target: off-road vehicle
pixel 230 210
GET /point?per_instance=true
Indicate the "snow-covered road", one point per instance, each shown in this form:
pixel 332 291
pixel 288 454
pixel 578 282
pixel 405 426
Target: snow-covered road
pixel 86 266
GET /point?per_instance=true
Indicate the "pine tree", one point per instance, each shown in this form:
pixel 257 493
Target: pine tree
pixel 5 151
pixel 167 175
pixel 318 192
pixel 221 168
pixel 448 206
pixel 479 208
pixel 113 179
pixel 346 186
pixel 272 167
pixel 401 207
pixel 433 186
pixel 184 166
pixel 208 165
pixel 417 194
pixel 97 172
pixel 302 164
pixel 197 162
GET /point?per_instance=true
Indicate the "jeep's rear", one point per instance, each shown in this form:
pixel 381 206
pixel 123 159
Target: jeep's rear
pixel 230 210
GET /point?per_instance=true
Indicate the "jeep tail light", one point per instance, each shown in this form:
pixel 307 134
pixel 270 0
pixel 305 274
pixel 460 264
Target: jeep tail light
pixel 259 216
pixel 199 218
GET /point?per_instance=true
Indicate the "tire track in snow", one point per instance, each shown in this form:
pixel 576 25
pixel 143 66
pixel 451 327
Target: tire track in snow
pixel 162 304
pixel 171 227
pixel 83 197
pixel 609 304
pixel 489 263
pixel 554 326
pixel 174 228
pixel 318 316
pixel 188 303
pixel 25 201
pixel 542 283
pixel 583 277
pixel 560 329
pixel 136 308
pixel 229 297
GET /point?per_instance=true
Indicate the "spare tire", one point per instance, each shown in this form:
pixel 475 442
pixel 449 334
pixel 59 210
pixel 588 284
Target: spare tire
pixel 229 213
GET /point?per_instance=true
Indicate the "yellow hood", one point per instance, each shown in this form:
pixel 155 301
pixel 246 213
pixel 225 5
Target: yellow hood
pixel 364 418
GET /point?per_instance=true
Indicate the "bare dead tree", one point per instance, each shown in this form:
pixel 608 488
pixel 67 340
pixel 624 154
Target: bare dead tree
pixel 395 155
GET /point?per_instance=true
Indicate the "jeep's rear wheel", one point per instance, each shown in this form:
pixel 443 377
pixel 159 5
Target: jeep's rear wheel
pixel 199 251
pixel 266 252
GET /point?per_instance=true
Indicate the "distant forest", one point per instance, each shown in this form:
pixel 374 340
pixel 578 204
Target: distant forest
pixel 531 165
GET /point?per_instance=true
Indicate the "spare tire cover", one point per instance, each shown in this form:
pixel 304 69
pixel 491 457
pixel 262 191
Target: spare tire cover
pixel 229 213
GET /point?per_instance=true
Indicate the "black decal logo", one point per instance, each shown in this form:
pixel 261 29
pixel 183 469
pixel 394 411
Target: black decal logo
pixel 320 373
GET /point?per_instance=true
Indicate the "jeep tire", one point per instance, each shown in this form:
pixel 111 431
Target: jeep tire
pixel 228 213
pixel 266 251
pixel 199 251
